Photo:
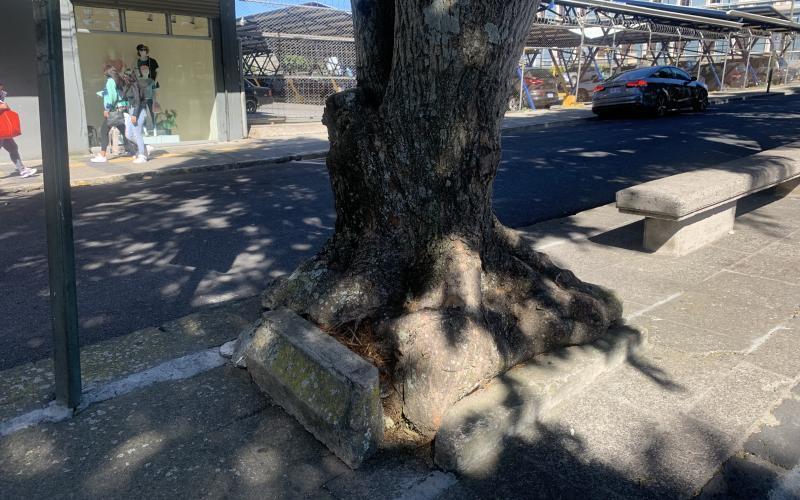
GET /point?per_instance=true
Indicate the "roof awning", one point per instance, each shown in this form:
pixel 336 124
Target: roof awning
pixel 653 11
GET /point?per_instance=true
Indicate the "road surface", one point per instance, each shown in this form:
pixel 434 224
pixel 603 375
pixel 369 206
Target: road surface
pixel 152 251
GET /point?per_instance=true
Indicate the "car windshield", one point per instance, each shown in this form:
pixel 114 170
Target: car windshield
pixel 634 74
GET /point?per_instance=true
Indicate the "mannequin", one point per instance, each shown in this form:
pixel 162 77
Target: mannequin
pixel 148 75
pixel 144 58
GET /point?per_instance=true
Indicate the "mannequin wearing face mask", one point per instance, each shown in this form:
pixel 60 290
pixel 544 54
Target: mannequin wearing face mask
pixel 145 59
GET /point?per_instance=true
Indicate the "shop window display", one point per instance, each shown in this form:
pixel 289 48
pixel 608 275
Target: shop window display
pixel 176 72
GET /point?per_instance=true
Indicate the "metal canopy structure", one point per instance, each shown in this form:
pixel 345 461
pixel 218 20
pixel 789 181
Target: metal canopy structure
pixel 305 52
pixel 585 41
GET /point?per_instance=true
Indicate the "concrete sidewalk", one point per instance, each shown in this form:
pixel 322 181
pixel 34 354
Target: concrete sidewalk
pixel 277 143
pixel 708 407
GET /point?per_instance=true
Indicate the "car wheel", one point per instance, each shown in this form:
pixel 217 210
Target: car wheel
pixel 661 106
pixel 252 106
pixel 701 103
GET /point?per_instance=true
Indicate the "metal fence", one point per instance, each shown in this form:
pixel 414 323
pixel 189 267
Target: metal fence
pixel 303 52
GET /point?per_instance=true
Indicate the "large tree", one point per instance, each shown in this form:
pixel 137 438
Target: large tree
pixel 451 296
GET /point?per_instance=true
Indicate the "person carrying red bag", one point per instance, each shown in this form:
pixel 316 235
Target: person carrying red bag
pixel 9 144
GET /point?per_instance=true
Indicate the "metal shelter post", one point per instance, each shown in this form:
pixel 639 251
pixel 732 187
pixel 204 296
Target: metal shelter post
pixel 747 65
pixel 786 76
pixel 58 203
pixel 771 60
pixel 704 48
pixel 521 82
pixel 725 61
pixel 580 64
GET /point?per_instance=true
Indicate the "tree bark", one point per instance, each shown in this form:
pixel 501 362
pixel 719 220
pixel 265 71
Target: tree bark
pixel 414 149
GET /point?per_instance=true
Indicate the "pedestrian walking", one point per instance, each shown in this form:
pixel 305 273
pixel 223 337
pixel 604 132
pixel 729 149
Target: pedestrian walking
pixel 135 114
pixel 8 143
pixel 114 108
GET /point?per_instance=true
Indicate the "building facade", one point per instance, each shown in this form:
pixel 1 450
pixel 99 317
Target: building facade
pixel 197 92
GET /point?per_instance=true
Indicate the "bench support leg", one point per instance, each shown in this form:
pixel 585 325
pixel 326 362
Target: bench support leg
pixel 790 188
pixel 682 237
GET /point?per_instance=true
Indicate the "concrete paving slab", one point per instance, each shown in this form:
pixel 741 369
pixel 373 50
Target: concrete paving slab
pixel 711 256
pixel 669 381
pixel 550 466
pixel 634 284
pixel 584 256
pixel 779 261
pixel 736 401
pixel 668 269
pixel 735 317
pixel 394 474
pixel 742 478
pixel 687 339
pixel 761 293
pixel 210 436
pixel 475 431
pixel 778 441
pixel 779 352
pixel 672 456
pixel 750 239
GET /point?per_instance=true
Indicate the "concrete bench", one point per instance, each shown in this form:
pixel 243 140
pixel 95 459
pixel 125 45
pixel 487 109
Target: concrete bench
pixel 686 211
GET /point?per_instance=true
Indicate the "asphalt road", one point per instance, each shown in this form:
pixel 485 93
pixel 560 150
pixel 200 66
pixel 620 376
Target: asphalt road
pixel 152 251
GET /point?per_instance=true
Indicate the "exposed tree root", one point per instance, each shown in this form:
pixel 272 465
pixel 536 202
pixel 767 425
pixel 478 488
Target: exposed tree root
pixel 452 317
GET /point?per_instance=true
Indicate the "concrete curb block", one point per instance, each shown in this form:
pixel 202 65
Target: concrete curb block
pixel 473 433
pixel 330 390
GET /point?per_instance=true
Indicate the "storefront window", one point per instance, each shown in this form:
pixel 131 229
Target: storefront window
pixel 190 26
pixel 183 92
pixel 145 22
pixel 94 19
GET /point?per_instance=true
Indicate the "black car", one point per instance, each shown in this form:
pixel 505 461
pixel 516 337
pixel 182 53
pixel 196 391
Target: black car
pixel 256 96
pixel 656 89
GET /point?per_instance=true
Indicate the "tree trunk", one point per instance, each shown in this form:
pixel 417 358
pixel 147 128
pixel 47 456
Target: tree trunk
pixel 455 297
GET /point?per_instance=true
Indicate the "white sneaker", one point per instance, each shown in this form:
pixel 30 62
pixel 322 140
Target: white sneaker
pixel 99 159
pixel 149 149
pixel 27 172
pixel 140 159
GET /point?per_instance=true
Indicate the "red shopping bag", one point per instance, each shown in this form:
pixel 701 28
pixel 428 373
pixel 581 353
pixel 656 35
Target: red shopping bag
pixel 9 125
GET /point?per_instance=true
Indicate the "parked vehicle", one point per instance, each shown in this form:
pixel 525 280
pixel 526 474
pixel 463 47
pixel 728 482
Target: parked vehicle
pixel 590 77
pixel 657 89
pixel 256 96
pixel 542 86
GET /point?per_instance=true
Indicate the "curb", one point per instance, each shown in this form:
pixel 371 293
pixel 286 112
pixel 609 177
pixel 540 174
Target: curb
pixel 135 176
pixel 734 98
pixel 110 367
